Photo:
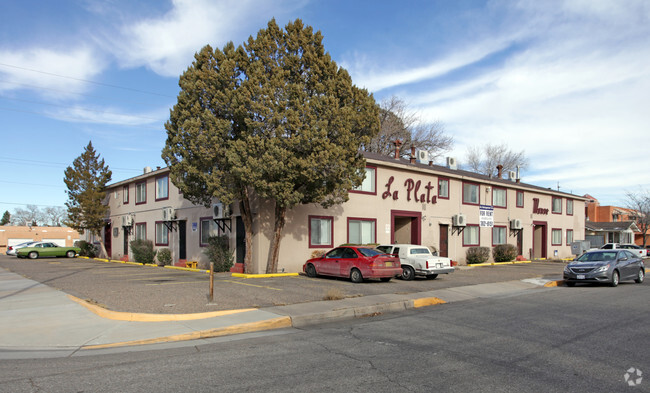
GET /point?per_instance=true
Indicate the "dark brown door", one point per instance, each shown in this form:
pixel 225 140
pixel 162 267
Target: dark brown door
pixel 520 242
pixel 108 240
pixel 444 240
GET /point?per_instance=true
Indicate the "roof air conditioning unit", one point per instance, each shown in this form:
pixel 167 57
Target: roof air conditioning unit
pixel 451 163
pixel 127 221
pixel 516 224
pixel 220 211
pixel 459 220
pixel 512 175
pixel 423 156
pixel 169 213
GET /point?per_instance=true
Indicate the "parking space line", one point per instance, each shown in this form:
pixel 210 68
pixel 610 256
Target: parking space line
pixel 151 278
pixel 176 283
pixel 252 285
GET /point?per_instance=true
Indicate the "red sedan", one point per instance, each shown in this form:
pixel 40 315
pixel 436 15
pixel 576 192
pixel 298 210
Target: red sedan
pixel 354 262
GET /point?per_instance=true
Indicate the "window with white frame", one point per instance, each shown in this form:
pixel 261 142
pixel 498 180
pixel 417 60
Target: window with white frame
pixel 557 205
pixel 368 184
pixel 443 188
pixel 499 198
pixel 162 188
pixel 125 194
pixel 162 234
pixel 499 235
pixel 470 193
pixel 569 236
pixel 361 231
pixel 569 207
pixel 141 192
pixel 320 231
pixel 141 231
pixel 556 237
pixel 471 235
pixel 520 199
pixel 208 228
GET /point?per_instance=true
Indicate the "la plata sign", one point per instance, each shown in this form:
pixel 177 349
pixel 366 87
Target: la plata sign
pixel 414 190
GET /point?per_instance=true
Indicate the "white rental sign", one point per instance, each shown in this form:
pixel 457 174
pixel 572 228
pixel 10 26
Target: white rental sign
pixel 486 216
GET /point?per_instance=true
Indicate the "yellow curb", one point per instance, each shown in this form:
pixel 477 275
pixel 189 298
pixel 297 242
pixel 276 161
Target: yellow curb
pixel 242 275
pixel 499 263
pixel 427 301
pixel 276 323
pixel 143 317
pixel 189 269
pixel 557 283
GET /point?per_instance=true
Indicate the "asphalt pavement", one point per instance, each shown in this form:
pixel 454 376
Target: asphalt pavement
pixel 71 307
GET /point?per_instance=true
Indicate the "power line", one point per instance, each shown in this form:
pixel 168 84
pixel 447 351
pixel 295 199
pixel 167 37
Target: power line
pixel 58 164
pixel 25 204
pixel 30 184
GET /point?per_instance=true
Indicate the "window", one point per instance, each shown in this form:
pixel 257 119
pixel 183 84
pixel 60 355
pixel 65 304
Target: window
pixel 141 231
pixel 471 235
pixel 361 231
pixel 140 193
pixel 125 194
pixel 162 188
pixel 557 205
pixel 499 235
pixel 443 188
pixel 499 197
pixel 320 231
pixel 520 199
pixel 470 194
pixel 569 237
pixel 556 237
pixel 368 185
pixel 162 234
pixel 569 207
pixel 208 228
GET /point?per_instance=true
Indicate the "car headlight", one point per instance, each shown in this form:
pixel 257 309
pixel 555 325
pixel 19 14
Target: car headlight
pixel 566 269
pixel 602 269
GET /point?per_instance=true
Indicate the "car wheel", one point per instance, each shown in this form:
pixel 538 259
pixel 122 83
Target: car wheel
pixel 432 276
pixel 355 276
pixel 311 271
pixel 407 273
pixel 615 278
pixel 570 284
pixel 33 255
pixel 70 254
pixel 385 279
pixel 640 277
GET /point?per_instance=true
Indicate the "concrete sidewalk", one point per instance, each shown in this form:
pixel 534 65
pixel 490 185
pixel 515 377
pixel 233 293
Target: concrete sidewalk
pixel 39 321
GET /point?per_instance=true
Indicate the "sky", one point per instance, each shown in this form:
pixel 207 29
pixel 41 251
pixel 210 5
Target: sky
pixel 567 82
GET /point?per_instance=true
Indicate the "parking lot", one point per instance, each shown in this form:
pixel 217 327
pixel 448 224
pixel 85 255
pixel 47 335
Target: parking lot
pixel 134 288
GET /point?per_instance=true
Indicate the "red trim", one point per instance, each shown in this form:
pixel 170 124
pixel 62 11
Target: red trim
pixel 567 207
pixel 556 229
pixel 448 190
pixel 523 196
pixel 568 243
pixel 368 192
pixel 125 192
pixel 145 192
pixel 360 219
pixel 498 226
pixel 331 218
pixel 478 193
pixel 505 191
pixel 201 219
pixel 135 229
pixel 416 235
pixel 553 205
pixel 156 188
pixel 156 238
pixel 479 235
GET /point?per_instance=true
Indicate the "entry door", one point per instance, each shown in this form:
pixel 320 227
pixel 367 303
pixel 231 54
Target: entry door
pixel 240 240
pixel 108 239
pixel 520 242
pixel 182 240
pixel 539 240
pixel 126 242
pixel 444 240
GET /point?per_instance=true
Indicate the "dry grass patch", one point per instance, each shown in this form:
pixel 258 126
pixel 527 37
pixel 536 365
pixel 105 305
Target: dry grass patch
pixel 334 294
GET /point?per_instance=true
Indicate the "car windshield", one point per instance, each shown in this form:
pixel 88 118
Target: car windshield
pixel 597 256
pixel 370 252
pixel 420 251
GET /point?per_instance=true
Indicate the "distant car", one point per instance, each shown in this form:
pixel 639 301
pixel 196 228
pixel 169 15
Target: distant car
pixel 640 251
pixel 605 266
pixel 11 250
pixel 418 261
pixel 357 263
pixel 44 249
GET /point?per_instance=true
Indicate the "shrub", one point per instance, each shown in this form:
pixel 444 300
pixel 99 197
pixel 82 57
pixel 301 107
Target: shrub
pixel 478 254
pixel 317 253
pixel 164 256
pixel 143 251
pixel 218 251
pixel 87 249
pixel 504 253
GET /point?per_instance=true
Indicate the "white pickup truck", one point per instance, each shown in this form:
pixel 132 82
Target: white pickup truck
pixel 418 260
pixel 633 248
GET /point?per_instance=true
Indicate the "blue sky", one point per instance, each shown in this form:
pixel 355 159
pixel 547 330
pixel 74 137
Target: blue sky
pixel 567 82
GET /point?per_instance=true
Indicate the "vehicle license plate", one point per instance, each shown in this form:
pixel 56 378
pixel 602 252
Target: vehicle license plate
pixel 439 265
pixel 389 264
pixel 581 277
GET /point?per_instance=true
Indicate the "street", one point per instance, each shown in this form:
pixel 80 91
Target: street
pixel 560 339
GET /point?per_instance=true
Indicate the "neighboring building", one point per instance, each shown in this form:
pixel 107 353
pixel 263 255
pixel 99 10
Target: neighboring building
pixel 400 201
pixel 611 224
pixel 12 235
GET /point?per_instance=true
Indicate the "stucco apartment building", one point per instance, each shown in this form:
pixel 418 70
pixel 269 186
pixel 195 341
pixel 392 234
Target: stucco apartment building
pixel 12 235
pixel 400 201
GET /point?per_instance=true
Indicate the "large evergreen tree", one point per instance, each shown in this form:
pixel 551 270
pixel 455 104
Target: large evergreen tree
pixel 86 181
pixel 277 117
pixel 6 218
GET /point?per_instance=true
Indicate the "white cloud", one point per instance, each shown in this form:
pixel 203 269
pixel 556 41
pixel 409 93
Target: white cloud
pixel 112 116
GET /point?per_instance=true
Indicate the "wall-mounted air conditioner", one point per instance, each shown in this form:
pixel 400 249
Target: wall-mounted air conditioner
pixel 459 220
pixel 423 156
pixel 169 213
pixel 512 175
pixel 516 224
pixel 220 211
pixel 451 163
pixel 127 220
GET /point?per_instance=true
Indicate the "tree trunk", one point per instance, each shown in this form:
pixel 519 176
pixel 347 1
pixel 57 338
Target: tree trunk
pixel 274 250
pixel 247 217
pixel 102 245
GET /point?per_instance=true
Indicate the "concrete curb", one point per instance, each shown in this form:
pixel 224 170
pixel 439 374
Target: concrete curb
pixel 243 275
pixel 498 263
pixel 557 283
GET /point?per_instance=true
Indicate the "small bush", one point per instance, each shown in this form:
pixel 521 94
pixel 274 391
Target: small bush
pixel 478 254
pixel 87 249
pixel 317 253
pixel 218 251
pixel 504 253
pixel 164 256
pixel 143 251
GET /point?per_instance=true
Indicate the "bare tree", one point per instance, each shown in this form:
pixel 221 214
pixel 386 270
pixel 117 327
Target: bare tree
pixel 54 215
pixel 29 216
pixel 398 122
pixel 640 203
pixel 484 159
